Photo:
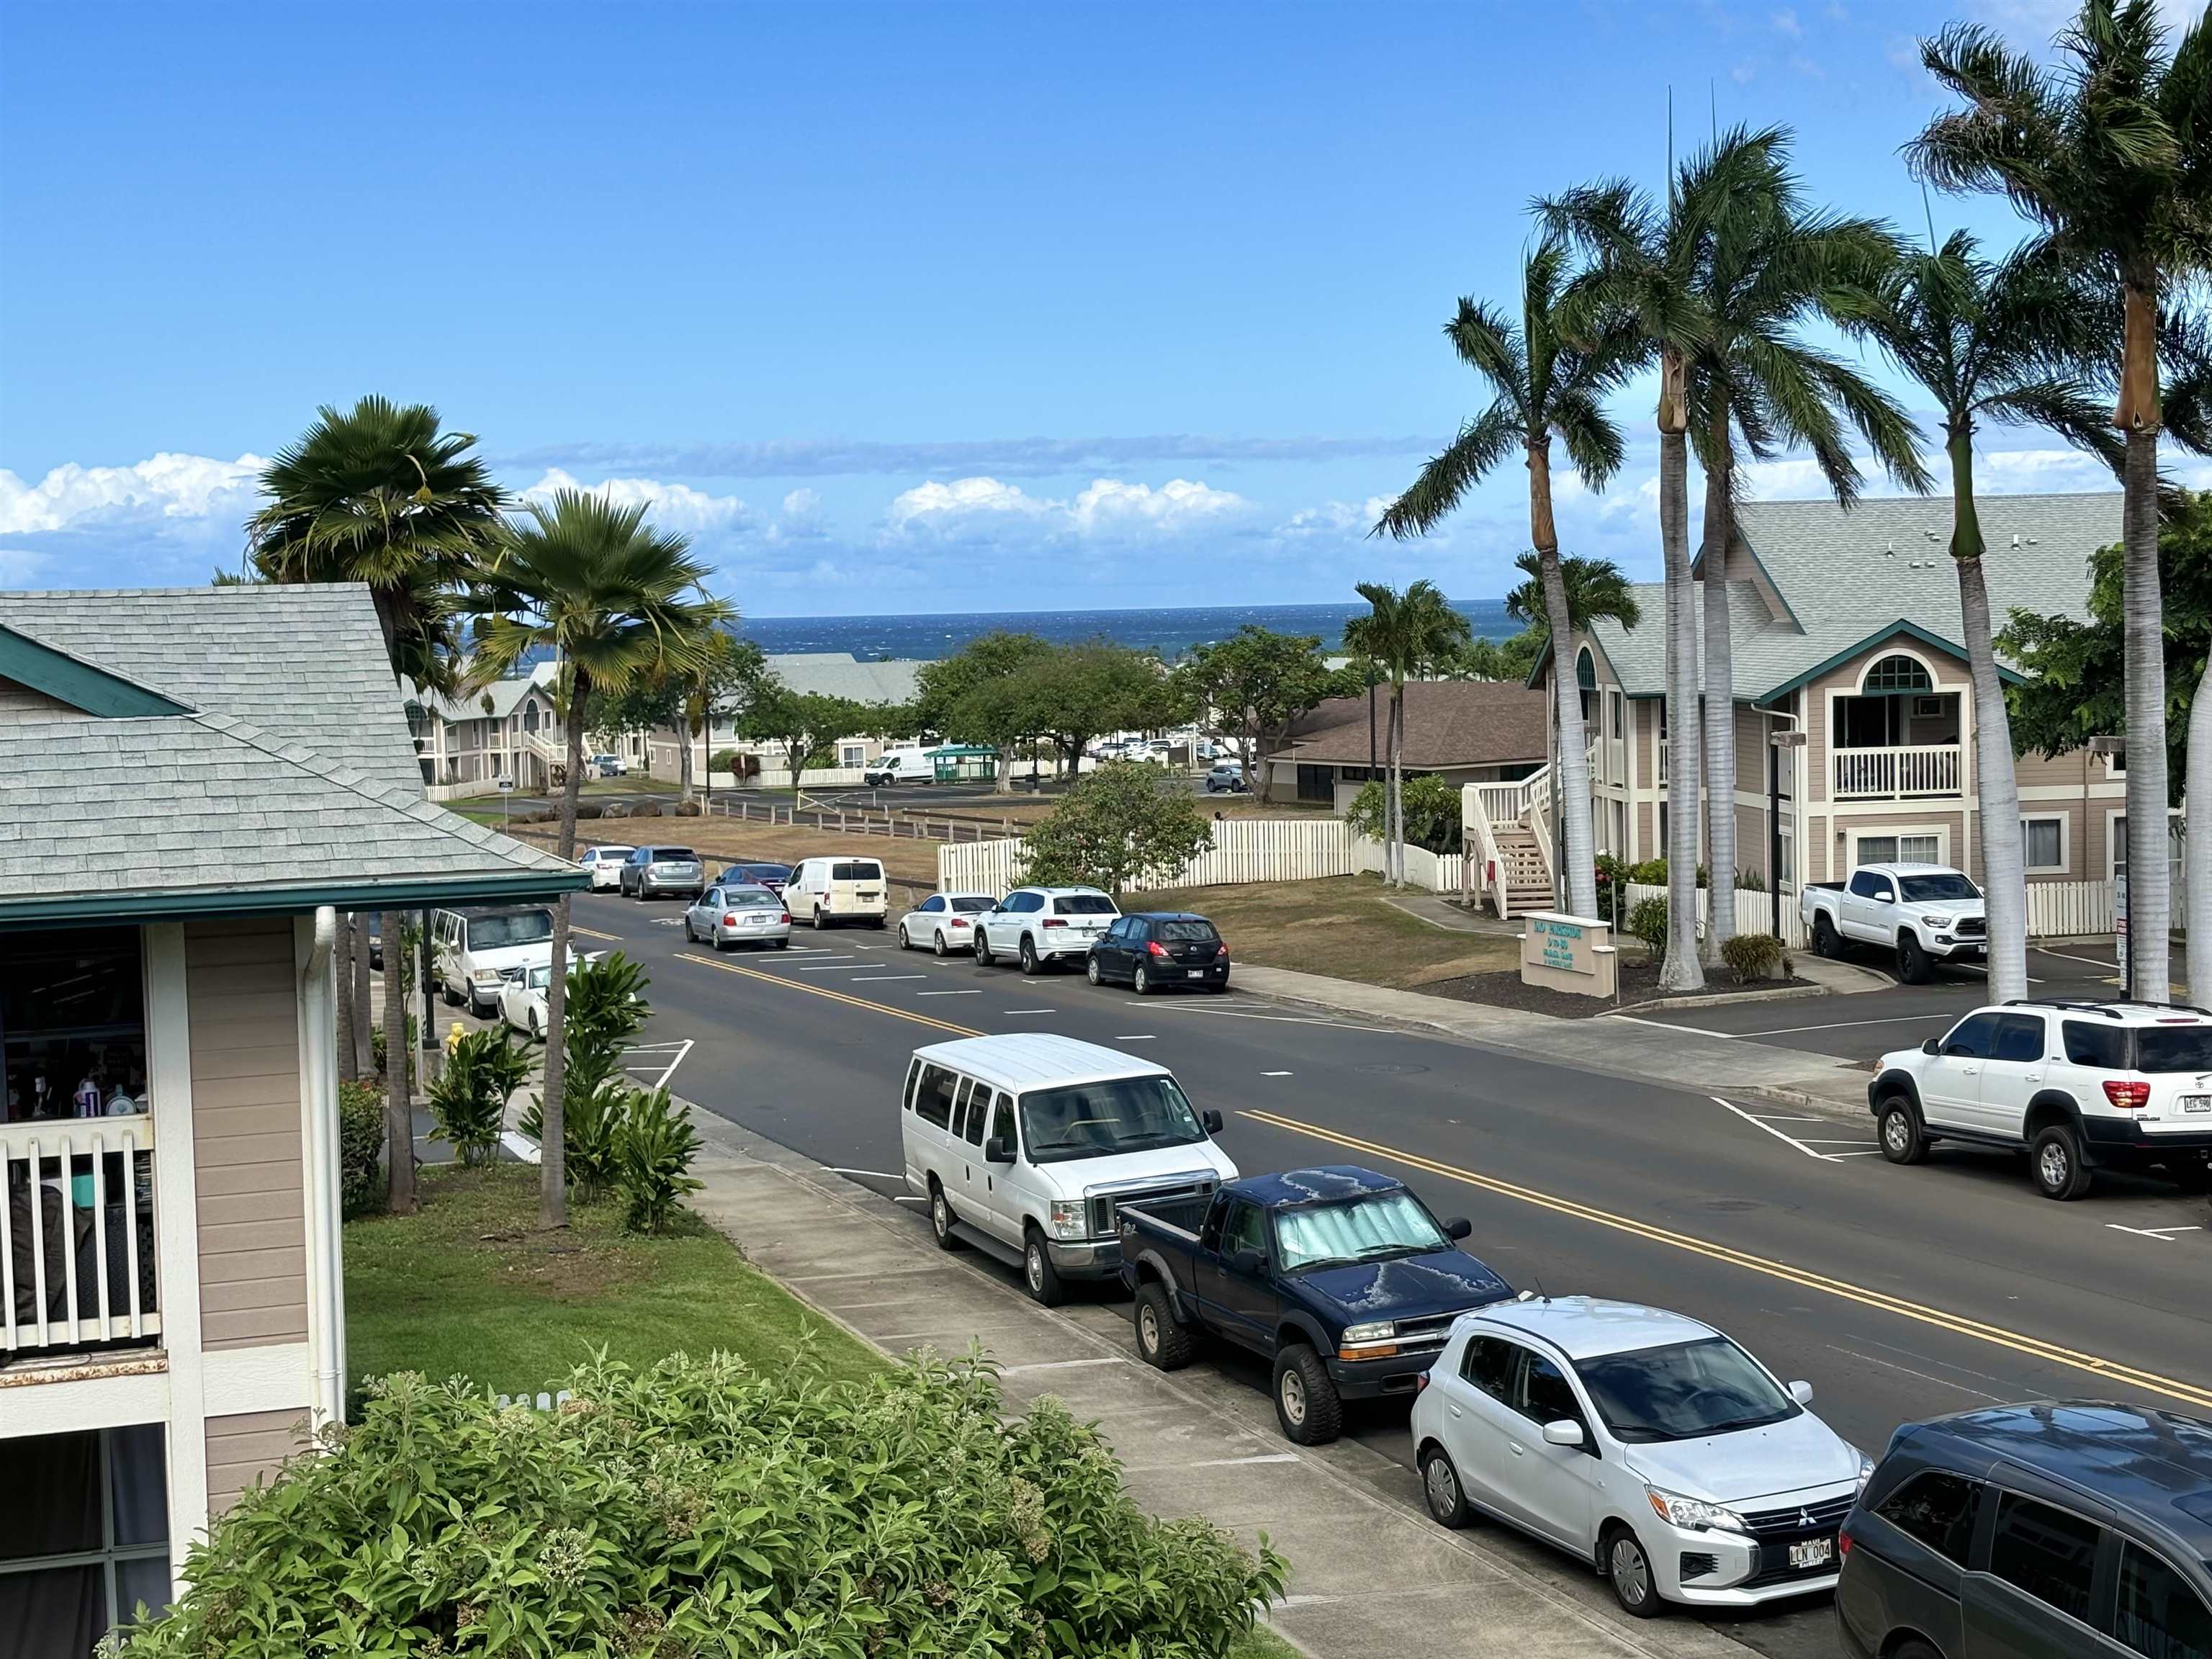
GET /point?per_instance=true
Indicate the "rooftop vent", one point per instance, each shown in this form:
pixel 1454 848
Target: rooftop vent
pixel 1889 551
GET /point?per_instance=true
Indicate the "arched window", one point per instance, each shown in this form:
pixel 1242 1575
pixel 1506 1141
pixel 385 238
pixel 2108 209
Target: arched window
pixel 530 717
pixel 1893 674
pixel 1586 680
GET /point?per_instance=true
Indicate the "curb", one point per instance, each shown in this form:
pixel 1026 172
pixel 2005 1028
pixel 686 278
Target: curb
pixel 1721 999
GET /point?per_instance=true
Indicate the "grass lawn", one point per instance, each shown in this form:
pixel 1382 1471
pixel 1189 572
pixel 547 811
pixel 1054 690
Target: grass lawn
pixel 1340 927
pixel 468 1286
pixel 1262 1642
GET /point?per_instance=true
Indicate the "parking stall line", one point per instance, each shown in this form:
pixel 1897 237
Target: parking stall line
pixel 909 1014
pixel 1881 1301
pixel 1786 1140
pixel 1853 1025
pixel 948 994
pixel 887 979
pixel 1664 1025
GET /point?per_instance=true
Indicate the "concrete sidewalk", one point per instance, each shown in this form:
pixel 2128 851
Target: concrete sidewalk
pixel 1371 1577
pixel 1678 1056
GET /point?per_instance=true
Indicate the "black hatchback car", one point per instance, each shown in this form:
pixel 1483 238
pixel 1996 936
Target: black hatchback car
pixel 2034 1532
pixel 1153 949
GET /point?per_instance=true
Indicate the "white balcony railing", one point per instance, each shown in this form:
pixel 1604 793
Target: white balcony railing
pixel 1927 769
pixel 76 1233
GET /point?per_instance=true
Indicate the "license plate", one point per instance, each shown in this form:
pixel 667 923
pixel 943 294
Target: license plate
pixel 2197 1102
pixel 1812 1553
pixel 1196 973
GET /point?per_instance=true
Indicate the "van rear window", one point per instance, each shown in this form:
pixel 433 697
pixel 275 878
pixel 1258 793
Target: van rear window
pixel 2173 1048
pixel 856 870
pixel 498 933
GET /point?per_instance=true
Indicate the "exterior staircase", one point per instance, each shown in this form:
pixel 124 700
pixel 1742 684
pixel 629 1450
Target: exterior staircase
pixel 1521 863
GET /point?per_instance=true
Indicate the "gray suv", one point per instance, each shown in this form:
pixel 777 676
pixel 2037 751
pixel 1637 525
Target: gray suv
pixel 663 873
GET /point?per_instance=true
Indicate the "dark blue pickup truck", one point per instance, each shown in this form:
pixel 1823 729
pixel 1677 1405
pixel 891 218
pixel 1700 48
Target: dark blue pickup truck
pixel 1340 1276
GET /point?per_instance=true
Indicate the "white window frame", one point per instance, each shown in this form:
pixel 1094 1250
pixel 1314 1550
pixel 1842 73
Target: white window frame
pixel 851 754
pixel 1853 836
pixel 2065 864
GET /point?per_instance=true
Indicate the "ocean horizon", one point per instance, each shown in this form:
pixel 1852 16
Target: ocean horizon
pixel 1173 631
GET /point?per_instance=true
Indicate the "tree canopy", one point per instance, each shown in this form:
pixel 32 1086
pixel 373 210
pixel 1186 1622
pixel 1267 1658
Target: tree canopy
pixel 1124 823
pixel 1259 681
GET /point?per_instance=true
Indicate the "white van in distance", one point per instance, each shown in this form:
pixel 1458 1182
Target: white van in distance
pixel 1025 1145
pixel 825 892
pixel 899 766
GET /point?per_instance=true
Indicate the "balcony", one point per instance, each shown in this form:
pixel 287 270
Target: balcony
pixel 1915 773
pixel 76 1234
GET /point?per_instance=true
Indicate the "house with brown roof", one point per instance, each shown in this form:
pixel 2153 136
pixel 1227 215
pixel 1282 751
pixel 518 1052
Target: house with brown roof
pixel 1461 731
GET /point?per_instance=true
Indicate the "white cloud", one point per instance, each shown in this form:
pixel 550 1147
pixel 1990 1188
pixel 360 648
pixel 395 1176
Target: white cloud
pixel 1108 502
pixel 1104 509
pixel 964 501
pixel 167 486
pixel 1785 22
pixel 671 507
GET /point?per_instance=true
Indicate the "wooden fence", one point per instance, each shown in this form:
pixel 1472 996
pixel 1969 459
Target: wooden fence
pixel 1243 850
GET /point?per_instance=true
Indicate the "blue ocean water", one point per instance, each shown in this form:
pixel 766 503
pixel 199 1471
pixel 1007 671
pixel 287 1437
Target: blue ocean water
pixel 1171 632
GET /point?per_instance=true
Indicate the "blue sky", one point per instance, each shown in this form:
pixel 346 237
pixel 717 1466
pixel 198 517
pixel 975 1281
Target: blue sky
pixel 895 308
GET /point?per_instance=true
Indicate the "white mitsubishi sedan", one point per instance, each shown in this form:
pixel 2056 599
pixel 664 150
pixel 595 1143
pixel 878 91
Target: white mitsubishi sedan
pixel 1641 1440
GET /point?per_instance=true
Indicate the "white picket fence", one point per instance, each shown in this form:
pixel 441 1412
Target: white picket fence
pixel 1243 850
pixel 1753 912
pixel 2056 910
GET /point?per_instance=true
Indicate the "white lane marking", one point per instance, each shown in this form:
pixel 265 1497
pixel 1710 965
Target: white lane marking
pixel 1977 967
pixel 1926 1377
pixel 2094 961
pixel 1847 1025
pixel 886 979
pixel 1837 1140
pixel 1135 1036
pixel 1290 1019
pixel 838 968
pixel 1783 1117
pixel 948 994
pixel 1276 1074
pixel 2163 1234
pixel 661 1082
pixel 1870 1152
pixel 880 1175
pixel 1032 1011
pixel 1062 1365
pixel 1787 1140
pixel 1662 1025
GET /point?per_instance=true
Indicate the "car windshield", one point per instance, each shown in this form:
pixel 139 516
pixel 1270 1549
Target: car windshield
pixel 674 855
pixel 1683 1392
pixel 1371 1229
pixel 856 870
pixel 1188 932
pixel 751 898
pixel 1937 889
pixel 1084 904
pixel 1096 1119
pixel 497 932
pixel 2174 1048
pixel 973 907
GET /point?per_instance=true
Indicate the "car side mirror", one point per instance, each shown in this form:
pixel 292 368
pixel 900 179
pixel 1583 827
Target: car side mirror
pixel 999 1149
pixel 1931 1047
pixel 1802 1393
pixel 1565 1433
pixel 1210 1119
pixel 1457 1228
pixel 1250 1263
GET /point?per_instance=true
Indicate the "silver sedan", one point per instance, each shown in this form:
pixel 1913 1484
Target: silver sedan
pixel 944 921
pixel 739 914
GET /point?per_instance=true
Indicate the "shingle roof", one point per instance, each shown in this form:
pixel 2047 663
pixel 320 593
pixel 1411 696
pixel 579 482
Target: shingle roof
pixel 1850 576
pixel 841 674
pixel 504 694
pixel 1447 723
pixel 306 663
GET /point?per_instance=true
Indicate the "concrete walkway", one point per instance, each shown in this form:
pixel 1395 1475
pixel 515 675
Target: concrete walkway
pixel 1440 912
pixel 1371 1577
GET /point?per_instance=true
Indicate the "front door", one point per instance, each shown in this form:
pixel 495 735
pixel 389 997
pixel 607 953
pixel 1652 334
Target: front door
pixel 995 1207
pixel 1113 950
pixel 1551 1484
pixel 1247 1304
pixel 1951 1084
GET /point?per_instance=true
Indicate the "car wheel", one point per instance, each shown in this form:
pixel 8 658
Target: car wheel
pixel 1825 942
pixel 937 944
pixel 1628 1569
pixel 530 1020
pixel 1029 954
pixel 1912 965
pixel 1163 1343
pixel 1091 970
pixel 1039 1276
pixel 1306 1403
pixel 818 923
pixel 2055 1160
pixel 983 956
pixel 1140 980
pixel 720 944
pixel 1902 1140
pixel 905 943
pixel 1913 1650
pixel 1440 1490
pixel 940 1218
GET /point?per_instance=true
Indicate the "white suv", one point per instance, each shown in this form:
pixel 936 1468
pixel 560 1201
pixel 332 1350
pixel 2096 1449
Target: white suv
pixel 1038 925
pixel 2083 1085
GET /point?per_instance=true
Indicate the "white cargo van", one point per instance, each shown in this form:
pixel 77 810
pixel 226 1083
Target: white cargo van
pixel 825 892
pixel 1025 1145
pixel 899 766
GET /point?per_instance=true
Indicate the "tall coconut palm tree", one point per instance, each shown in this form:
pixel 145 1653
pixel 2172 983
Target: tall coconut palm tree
pixel 2109 153
pixel 586 579
pixel 381 494
pixel 1541 385
pixel 2004 343
pixel 1771 265
pixel 1403 636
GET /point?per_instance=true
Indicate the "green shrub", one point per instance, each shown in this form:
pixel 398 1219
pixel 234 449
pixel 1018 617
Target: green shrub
pixel 1750 881
pixel 590 1126
pixel 702 1507
pixel 361 1148
pixel 1648 921
pixel 653 1149
pixel 605 1008
pixel 376 1046
pixel 1432 813
pixel 469 1099
pixel 1753 956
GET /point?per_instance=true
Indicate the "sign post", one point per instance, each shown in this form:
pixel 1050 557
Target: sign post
pixel 506 788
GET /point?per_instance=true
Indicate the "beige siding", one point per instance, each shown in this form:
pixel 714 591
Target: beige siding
pixel 243 992
pixel 245 1450
pixel 19 705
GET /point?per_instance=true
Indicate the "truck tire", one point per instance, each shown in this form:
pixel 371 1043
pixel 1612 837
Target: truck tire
pixel 941 1216
pixel 1897 1127
pixel 1161 1342
pixel 1912 965
pixel 2055 1162
pixel 1039 1277
pixel 1826 942
pixel 1307 1405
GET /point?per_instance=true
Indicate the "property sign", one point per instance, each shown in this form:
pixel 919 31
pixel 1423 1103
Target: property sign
pixel 505 786
pixel 1567 953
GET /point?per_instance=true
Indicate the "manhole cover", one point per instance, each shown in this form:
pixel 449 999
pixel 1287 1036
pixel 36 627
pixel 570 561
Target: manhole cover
pixel 1732 1206
pixel 1392 1068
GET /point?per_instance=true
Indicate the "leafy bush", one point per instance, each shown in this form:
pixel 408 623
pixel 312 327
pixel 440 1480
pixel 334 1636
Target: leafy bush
pixel 605 1008
pixel 1652 872
pixel 653 1149
pixel 1116 826
pixel 702 1507
pixel 1753 956
pixel 1432 813
pixel 1750 881
pixel 469 1099
pixel 360 1147
pixel 376 1046
pixel 1648 921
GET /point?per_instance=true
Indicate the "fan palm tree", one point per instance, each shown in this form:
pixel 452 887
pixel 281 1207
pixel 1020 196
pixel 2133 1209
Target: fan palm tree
pixel 2109 153
pixel 586 579
pixel 1769 265
pixel 381 494
pixel 1541 385
pixel 1402 635
pixel 2003 343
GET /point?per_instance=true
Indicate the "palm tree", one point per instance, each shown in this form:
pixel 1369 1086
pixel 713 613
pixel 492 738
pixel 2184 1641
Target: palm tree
pixel 2002 342
pixel 380 494
pixel 1644 276
pixel 1769 266
pixel 584 579
pixel 2109 153
pixel 1402 635
pixel 1541 385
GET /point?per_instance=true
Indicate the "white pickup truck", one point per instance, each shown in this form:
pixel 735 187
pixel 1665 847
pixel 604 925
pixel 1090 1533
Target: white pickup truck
pixel 1925 912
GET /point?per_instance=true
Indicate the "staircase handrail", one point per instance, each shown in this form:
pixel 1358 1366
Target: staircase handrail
pixel 1474 828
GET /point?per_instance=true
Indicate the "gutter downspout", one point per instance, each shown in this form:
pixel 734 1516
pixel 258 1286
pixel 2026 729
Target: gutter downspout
pixel 320 1109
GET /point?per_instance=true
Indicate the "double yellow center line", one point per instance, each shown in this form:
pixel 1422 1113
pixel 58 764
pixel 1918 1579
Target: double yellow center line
pixel 2017 1341
pixel 834 996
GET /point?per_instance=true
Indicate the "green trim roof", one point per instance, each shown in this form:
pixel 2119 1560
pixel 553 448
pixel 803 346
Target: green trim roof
pixel 88 689
pixel 1911 631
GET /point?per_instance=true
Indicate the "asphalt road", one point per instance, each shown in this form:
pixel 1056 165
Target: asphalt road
pixel 1898 1293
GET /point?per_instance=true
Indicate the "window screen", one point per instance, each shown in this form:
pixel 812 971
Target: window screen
pixel 1937 1509
pixel 2048 1553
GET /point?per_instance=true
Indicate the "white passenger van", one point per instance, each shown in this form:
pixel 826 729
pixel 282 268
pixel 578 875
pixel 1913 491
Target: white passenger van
pixel 822 891
pixel 1025 1145
pixel 473 951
